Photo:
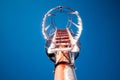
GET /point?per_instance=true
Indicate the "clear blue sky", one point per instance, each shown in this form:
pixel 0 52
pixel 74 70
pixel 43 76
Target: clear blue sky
pixel 22 53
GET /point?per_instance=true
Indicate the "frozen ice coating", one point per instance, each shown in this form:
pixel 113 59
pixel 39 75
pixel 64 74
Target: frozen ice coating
pixel 45 27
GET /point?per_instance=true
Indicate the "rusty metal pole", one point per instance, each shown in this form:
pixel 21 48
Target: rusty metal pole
pixel 64 70
pixel 62 45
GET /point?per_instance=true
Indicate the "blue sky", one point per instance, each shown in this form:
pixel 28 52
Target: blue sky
pixel 22 53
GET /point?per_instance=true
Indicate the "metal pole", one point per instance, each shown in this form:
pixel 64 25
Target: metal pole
pixel 62 46
pixel 64 70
